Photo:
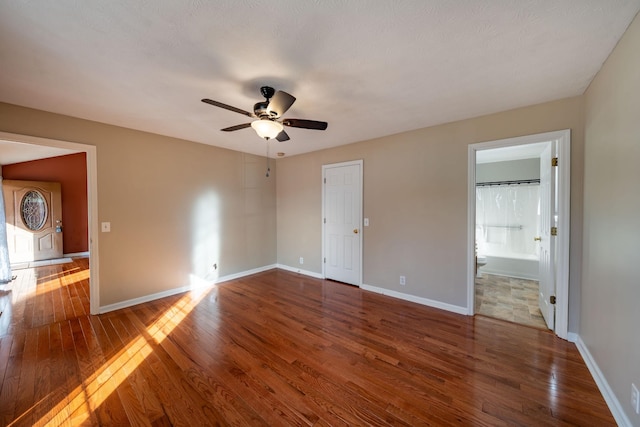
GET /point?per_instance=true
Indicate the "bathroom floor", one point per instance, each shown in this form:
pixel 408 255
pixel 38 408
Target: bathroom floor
pixel 508 298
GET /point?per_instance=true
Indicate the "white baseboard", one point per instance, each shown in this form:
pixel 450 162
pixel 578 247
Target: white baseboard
pixel 424 301
pixel 77 255
pixel 201 284
pixel 301 271
pixel 146 298
pixel 612 401
pixel 572 337
pixel 245 273
pixel 383 291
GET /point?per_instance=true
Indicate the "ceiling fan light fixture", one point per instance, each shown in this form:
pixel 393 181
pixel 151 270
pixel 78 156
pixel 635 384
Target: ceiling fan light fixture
pixel 267 129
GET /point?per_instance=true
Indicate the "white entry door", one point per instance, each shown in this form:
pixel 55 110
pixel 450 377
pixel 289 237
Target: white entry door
pixel 546 240
pixel 342 212
pixel 34 220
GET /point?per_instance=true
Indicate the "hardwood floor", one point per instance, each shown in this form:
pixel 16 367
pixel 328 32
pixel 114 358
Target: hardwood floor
pixel 273 349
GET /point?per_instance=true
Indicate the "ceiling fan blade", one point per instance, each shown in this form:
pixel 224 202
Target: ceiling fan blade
pixel 227 107
pixel 280 103
pixel 236 127
pixel 305 124
pixel 282 136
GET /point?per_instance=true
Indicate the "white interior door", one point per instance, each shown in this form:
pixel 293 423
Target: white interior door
pixel 34 220
pixel 547 244
pixel 342 215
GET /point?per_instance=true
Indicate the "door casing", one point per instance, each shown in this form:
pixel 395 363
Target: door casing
pixel 92 200
pixel 563 142
pixel 324 243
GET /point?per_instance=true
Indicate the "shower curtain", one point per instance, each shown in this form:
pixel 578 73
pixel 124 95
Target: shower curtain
pixel 5 267
pixel 507 220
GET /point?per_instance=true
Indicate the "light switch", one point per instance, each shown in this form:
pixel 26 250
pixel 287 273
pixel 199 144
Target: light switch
pixel 366 222
pixel 106 227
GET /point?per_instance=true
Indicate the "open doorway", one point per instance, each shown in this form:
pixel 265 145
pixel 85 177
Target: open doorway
pixel 519 230
pixel 507 233
pixel 25 148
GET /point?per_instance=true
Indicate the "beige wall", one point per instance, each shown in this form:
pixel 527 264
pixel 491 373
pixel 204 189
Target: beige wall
pixel 151 188
pixel 415 195
pixel 511 170
pixel 175 207
pixel 610 326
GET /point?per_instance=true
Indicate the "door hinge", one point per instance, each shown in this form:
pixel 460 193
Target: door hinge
pixel 325 180
pixel 554 161
pixel 325 220
pixel 552 299
pixel 324 260
pixel 554 231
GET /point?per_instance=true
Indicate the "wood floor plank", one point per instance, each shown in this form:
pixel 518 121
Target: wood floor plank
pixel 26 388
pixel 141 405
pixel 198 405
pixel 277 348
pixel 107 406
pixel 174 406
pixel 10 379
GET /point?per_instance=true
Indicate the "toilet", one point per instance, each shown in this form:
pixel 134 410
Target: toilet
pixel 480 262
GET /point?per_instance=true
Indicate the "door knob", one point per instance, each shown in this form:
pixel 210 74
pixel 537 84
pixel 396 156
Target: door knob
pixel 537 239
pixel 355 230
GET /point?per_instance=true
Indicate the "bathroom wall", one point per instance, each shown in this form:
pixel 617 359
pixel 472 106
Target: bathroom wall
pixel 510 170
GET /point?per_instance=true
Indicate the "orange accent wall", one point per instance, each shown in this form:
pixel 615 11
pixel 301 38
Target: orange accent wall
pixel 71 172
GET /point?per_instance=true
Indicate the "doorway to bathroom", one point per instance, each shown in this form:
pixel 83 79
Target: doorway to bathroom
pixel 519 230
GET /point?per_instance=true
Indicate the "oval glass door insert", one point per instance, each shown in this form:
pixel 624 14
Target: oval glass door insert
pixel 33 210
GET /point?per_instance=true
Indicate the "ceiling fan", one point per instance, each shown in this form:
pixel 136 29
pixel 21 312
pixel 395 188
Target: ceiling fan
pixel 268 124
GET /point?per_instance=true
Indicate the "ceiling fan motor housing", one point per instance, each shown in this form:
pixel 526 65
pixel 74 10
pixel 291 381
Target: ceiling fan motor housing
pixel 260 110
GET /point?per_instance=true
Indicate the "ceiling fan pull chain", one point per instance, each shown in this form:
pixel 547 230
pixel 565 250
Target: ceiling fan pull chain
pixel 268 168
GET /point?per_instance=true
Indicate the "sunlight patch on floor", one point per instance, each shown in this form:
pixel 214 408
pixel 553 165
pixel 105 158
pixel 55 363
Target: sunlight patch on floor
pixel 87 397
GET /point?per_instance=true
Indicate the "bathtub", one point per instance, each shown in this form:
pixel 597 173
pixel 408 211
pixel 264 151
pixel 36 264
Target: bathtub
pixel 512 265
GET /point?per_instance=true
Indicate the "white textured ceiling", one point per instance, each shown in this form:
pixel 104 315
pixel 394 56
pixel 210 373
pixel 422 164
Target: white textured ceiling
pixel 369 68
pixel 15 152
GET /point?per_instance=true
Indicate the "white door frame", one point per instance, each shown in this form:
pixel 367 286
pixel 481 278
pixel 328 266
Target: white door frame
pixel 322 255
pixel 563 139
pixel 92 200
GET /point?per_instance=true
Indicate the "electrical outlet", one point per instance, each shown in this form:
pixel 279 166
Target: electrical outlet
pixel 635 399
pixel 403 280
pixel 301 260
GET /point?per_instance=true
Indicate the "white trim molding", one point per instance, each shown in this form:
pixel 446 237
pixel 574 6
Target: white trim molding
pixel 300 271
pixel 77 255
pixel 563 140
pixel 198 284
pixel 419 300
pixel 612 401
